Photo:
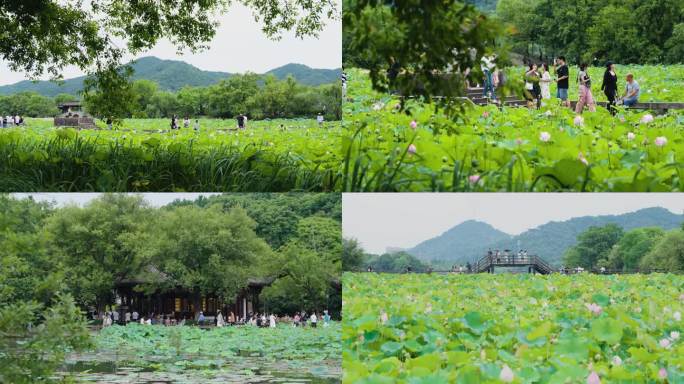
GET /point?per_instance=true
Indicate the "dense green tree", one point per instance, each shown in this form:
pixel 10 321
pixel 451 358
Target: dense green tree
pixel 27 104
pixel 233 96
pixel 396 262
pixel 143 91
pixel 667 254
pixel 593 246
pixel 99 244
pixel 594 31
pixel 206 250
pixel 277 214
pixel 417 40
pixel 322 235
pixel 633 246
pixel 191 101
pixel 64 97
pixel 674 47
pixel 353 256
pixel 26 271
pixel 305 283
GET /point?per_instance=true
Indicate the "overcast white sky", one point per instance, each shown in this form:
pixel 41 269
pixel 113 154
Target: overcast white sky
pixel 241 46
pixel 155 199
pixel 403 220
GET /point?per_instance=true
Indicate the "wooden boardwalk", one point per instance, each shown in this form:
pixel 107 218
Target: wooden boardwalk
pixel 534 264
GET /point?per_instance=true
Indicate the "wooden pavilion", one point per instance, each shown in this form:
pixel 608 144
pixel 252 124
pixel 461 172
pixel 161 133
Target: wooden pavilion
pixel 73 115
pixel 182 303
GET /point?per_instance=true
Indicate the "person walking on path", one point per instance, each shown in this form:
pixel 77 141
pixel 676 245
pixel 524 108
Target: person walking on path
pixel 562 80
pixel 609 87
pixel 585 96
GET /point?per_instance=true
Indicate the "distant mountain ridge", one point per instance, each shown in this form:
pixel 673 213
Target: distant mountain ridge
pixel 550 240
pixel 463 241
pixel 172 75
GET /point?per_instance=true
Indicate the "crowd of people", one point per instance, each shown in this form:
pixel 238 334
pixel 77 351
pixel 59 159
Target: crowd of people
pixel 538 79
pixel 11 121
pixel 261 320
pixel 241 120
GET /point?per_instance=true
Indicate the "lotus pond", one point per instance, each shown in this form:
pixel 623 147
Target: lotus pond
pixel 513 149
pixel 144 155
pixel 157 354
pixel 418 328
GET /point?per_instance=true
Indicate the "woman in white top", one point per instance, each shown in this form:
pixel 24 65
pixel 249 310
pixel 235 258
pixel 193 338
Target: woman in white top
pixel 545 82
pixel 219 320
pixel 272 321
pixel 314 320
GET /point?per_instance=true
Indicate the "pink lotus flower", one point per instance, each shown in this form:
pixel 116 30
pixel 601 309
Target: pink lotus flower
pixel 647 118
pixel 548 114
pixel 506 374
pixel 412 149
pixel 579 121
pixel 485 114
pixel 473 179
pixel 383 317
pixel 662 373
pixel 617 361
pixel 674 335
pixel 665 343
pixel 593 378
pixel 519 141
pixel 414 124
pixel 594 308
pixel 545 136
pixel 622 119
pixel 631 136
pixel 677 316
pixel 660 141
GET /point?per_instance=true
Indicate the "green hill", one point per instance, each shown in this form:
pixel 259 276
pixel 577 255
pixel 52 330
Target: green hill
pixel 172 75
pixel 461 244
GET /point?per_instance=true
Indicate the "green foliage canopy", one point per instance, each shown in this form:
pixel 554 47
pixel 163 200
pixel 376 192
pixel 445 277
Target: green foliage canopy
pixel 420 41
pixel 593 31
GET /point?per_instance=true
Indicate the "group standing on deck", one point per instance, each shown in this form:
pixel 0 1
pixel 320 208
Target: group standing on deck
pixel 538 79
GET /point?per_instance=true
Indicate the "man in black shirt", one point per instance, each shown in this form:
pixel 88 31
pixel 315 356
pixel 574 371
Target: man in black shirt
pixel 563 74
pixel 241 121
